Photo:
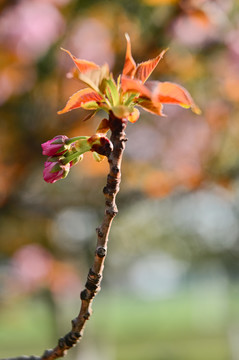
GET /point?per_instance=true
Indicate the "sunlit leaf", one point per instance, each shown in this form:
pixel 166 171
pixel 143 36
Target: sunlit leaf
pixel 134 86
pixel 82 65
pixel 170 93
pixel 91 105
pixel 130 98
pixel 103 127
pixel 150 106
pixel 95 77
pixel 118 82
pixel 112 92
pixel 134 116
pixel 145 69
pixel 129 64
pixel 86 79
pixel 80 98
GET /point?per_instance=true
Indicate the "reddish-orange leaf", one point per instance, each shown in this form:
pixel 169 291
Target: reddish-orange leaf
pixel 145 69
pixel 134 86
pixel 170 93
pixel 129 64
pixel 133 117
pixel 80 98
pixel 150 106
pixel 82 65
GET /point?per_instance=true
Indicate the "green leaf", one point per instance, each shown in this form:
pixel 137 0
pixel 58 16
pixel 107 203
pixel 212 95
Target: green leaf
pixel 91 105
pixel 130 98
pixel 112 92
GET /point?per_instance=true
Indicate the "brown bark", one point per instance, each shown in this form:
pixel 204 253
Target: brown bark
pixel 94 278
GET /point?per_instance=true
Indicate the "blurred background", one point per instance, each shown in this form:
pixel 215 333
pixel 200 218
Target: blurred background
pixel 170 289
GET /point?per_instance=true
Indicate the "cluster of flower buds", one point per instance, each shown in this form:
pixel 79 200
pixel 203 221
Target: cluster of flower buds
pixel 64 152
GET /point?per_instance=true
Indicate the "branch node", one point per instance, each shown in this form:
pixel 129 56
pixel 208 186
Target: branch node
pixel 112 181
pixel 106 190
pixel 115 169
pixel 93 274
pixel 101 251
pixel 61 343
pixel 112 212
pixel 47 353
pixel 87 315
pixel 84 295
pixel 93 281
pixel 90 286
pixel 108 202
pixel 72 338
pixel 99 232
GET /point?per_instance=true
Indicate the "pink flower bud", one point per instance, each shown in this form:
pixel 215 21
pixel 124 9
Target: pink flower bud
pixel 54 170
pixel 55 146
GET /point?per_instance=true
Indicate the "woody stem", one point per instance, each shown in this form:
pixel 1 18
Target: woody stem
pixel 94 278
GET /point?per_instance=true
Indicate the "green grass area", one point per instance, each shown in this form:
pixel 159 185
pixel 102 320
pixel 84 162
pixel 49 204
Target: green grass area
pixel 186 327
pixel 25 328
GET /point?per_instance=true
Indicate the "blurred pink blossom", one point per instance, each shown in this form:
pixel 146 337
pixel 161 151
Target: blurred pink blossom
pixel 30 27
pixel 194 30
pixel 31 265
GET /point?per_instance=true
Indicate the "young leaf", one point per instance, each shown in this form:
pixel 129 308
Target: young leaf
pixel 82 65
pixel 118 83
pixel 80 98
pixel 145 69
pixel 130 98
pixel 129 64
pixel 91 105
pixel 112 92
pixel 150 106
pixel 134 86
pixel 95 77
pixel 170 93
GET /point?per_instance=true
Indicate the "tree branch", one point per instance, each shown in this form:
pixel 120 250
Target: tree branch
pixel 94 278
